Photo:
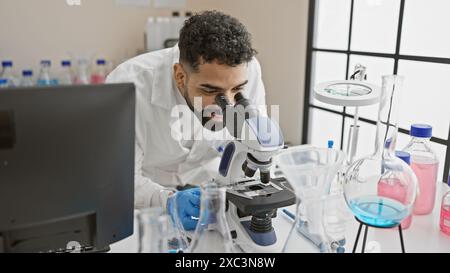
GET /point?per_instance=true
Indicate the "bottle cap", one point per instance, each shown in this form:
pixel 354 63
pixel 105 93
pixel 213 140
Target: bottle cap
pixel 387 143
pixel 421 130
pixel 330 144
pixel 7 63
pixel 406 157
pixel 46 62
pixel 65 63
pixel 27 73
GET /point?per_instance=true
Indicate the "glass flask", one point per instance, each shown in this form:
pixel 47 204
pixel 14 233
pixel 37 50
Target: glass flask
pixel 212 234
pixel 179 242
pixel 310 171
pixel 425 165
pixel 158 233
pixel 395 190
pixel 363 177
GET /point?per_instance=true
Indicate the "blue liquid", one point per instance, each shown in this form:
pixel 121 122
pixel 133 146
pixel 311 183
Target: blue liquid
pixel 378 211
pixel 51 82
pixel 43 83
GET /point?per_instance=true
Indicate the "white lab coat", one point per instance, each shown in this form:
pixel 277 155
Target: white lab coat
pixel 163 162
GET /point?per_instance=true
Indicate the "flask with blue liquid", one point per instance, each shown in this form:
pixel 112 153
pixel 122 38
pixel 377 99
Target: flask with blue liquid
pixel 8 74
pixel 3 83
pixel 44 77
pixel 362 179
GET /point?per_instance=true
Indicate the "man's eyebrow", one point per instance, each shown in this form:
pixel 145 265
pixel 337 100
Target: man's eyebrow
pixel 242 84
pixel 210 86
pixel 217 88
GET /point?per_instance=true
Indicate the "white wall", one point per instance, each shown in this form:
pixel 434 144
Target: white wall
pixel 31 30
pixel 279 29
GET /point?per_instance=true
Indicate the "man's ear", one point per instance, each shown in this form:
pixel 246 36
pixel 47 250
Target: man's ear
pixel 179 75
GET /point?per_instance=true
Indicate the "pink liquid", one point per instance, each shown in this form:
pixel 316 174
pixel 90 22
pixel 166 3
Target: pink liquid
pixel 445 219
pixel 97 79
pixel 392 188
pixel 427 176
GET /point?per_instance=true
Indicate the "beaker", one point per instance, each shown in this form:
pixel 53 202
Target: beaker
pixel 212 234
pixel 363 177
pixel 310 171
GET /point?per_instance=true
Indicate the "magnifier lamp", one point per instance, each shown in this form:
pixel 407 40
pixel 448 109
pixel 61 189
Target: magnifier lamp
pixel 355 92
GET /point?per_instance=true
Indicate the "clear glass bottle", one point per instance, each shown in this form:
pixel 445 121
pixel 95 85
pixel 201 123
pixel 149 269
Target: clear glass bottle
pixel 27 78
pixel 67 76
pixel 100 72
pixel 425 165
pixel 83 72
pixel 364 176
pixel 44 78
pixel 158 233
pixel 212 234
pixel 9 74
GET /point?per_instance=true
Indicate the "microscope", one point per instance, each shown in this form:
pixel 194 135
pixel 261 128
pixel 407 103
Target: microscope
pixel 252 200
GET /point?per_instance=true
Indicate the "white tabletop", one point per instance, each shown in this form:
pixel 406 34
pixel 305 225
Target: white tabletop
pixel 422 236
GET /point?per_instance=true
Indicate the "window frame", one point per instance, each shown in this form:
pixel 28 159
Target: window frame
pixel 308 105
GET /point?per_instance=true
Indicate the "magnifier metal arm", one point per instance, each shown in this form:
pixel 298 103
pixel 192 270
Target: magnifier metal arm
pixel 353 134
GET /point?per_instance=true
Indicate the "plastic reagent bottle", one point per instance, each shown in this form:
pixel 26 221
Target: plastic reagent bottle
pixel 424 163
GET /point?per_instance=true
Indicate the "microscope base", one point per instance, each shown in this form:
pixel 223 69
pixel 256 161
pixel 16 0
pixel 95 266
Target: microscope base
pixel 243 238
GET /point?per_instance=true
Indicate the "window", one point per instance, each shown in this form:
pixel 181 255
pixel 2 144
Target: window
pixel 388 37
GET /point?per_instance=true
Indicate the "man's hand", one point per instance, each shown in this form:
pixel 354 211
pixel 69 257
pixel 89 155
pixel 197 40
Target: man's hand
pixel 187 204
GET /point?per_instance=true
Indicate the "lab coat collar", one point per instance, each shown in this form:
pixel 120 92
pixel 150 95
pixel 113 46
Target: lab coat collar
pixel 164 87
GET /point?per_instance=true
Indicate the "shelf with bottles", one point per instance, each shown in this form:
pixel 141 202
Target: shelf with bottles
pixel 81 73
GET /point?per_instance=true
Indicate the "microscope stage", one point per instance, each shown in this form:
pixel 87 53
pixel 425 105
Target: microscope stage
pixel 253 196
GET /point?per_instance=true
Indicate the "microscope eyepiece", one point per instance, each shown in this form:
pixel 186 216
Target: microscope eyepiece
pixel 222 101
pixel 241 100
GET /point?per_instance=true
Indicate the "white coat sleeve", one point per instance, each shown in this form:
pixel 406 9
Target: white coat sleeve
pixel 147 193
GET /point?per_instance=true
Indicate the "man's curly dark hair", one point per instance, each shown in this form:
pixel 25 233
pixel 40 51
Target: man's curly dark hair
pixel 214 36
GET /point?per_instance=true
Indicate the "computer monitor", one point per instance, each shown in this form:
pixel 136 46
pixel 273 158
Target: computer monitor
pixel 66 167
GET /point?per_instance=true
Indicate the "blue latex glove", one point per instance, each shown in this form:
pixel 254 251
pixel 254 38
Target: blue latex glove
pixel 187 204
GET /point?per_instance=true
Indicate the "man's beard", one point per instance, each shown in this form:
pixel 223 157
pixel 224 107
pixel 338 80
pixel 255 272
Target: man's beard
pixel 204 115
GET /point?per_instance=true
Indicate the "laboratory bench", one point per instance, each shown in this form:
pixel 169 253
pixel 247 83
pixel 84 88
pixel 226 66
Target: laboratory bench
pixel 423 236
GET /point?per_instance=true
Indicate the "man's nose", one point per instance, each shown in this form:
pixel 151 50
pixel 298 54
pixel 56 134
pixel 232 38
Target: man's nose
pixel 230 97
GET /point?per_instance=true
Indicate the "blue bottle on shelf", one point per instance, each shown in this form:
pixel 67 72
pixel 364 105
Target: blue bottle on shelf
pixel 45 78
pixel 27 78
pixel 8 74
